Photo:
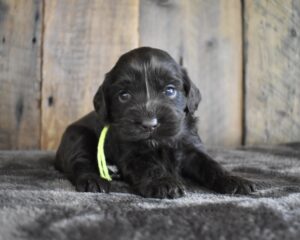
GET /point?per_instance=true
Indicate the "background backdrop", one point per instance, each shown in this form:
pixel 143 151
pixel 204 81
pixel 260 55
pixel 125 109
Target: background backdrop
pixel 243 55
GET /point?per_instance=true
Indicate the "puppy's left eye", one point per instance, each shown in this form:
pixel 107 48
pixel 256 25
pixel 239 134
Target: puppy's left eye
pixel 170 91
pixel 124 96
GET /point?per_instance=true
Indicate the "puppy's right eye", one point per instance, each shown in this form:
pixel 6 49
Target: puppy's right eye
pixel 170 91
pixel 124 96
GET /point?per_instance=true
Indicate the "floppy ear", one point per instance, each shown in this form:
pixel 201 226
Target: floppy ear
pixel 192 93
pixel 100 104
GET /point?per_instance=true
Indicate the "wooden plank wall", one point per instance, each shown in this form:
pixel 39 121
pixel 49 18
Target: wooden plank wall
pixel 54 54
pixel 272 35
pixel 20 61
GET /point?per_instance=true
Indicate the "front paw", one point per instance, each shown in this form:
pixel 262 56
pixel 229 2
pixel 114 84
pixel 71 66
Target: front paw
pixel 162 188
pixel 91 182
pixel 234 185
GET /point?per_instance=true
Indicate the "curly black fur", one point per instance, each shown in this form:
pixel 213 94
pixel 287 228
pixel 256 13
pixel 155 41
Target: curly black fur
pixel 152 158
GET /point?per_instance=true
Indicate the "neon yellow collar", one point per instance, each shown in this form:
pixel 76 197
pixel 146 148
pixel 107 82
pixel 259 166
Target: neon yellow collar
pixel 101 156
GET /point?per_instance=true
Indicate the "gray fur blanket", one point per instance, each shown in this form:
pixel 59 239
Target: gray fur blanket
pixel 37 202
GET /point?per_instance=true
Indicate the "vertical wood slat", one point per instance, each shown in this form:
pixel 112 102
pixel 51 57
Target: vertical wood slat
pixel 83 39
pixel 207 37
pixel 160 26
pixel 272 71
pixel 20 59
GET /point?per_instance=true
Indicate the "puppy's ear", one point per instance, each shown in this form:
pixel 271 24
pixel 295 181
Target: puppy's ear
pixel 192 93
pixel 100 104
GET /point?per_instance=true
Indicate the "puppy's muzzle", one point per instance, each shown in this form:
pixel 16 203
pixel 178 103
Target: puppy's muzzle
pixel 156 121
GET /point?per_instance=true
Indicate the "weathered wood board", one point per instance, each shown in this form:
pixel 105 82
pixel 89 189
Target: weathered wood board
pixel 160 25
pixel 206 36
pixel 272 35
pixel 83 39
pixel 20 66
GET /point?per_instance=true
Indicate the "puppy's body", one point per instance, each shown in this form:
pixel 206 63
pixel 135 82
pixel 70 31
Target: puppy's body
pixel 148 101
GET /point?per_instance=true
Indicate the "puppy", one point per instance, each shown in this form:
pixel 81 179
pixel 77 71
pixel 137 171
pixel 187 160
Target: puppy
pixel 149 102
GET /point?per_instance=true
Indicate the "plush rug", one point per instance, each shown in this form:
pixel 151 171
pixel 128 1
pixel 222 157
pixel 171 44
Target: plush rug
pixel 37 202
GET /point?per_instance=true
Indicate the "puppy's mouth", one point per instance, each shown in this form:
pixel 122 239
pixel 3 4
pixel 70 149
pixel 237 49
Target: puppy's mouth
pixel 150 138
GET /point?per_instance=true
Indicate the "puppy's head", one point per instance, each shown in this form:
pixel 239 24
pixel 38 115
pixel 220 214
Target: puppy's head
pixel 146 96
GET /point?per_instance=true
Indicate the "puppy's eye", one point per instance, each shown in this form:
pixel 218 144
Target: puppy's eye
pixel 170 91
pixel 124 96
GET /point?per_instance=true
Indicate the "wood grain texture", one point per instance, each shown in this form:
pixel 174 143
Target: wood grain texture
pixel 83 39
pixel 206 37
pixel 272 71
pixel 20 44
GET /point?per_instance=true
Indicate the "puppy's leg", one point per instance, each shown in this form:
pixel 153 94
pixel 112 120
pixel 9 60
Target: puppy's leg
pixel 76 157
pixel 201 167
pixel 151 177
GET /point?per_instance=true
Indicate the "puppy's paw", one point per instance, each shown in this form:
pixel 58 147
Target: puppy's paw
pixel 90 182
pixel 162 188
pixel 234 185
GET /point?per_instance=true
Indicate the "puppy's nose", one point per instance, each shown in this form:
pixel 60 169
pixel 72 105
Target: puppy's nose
pixel 150 124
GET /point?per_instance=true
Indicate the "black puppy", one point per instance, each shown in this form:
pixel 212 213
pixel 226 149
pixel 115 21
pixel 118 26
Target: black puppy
pixel 148 101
